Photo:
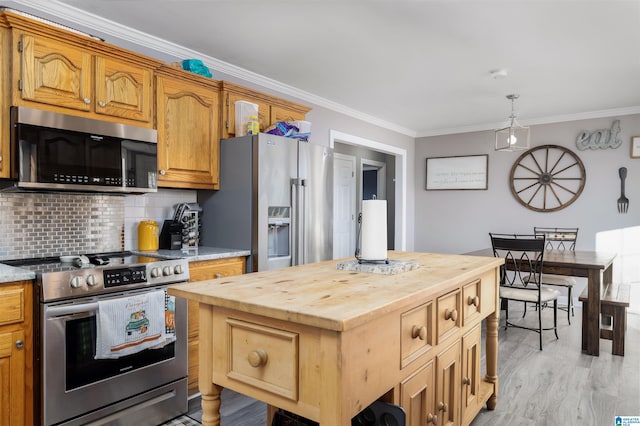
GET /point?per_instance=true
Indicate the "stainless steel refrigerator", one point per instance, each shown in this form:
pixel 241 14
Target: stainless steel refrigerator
pixel 275 198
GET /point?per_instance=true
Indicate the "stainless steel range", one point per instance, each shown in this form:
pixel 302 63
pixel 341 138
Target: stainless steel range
pixel 76 388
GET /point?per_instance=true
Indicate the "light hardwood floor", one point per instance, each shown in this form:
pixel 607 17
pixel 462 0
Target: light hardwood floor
pixel 556 386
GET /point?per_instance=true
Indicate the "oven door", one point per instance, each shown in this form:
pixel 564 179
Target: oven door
pixel 74 383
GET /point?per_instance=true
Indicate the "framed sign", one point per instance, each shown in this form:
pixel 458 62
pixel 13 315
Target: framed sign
pixel 635 147
pixel 461 172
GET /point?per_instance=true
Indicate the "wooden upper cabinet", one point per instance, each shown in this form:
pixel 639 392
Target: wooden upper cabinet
pixel 67 72
pixel 270 108
pixel 5 101
pixel 122 89
pixel 188 136
pixel 53 73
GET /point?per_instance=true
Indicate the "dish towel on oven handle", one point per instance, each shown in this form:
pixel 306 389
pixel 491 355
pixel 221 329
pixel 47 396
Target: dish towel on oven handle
pixel 128 325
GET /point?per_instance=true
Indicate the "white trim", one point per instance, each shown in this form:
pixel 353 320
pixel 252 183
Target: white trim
pixel 401 184
pixel 353 206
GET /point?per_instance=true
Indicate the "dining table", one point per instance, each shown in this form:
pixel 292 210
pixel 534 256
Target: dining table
pixel 594 265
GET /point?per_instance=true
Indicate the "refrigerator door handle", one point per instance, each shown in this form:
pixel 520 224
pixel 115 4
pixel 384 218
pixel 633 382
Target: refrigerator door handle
pixel 302 225
pixel 298 221
pixel 294 221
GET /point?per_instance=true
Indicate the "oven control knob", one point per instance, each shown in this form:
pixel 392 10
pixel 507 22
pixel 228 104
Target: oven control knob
pixel 77 282
pixel 178 270
pixel 155 272
pixel 91 280
pixel 166 271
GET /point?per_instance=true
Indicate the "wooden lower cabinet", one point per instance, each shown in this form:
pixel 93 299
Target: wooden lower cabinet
pixel 201 271
pixel 417 397
pixel 16 354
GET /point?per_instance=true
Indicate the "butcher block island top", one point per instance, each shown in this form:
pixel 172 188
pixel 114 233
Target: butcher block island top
pixel 325 343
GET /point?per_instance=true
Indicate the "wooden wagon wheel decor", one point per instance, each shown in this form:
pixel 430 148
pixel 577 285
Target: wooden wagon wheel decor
pixel 547 178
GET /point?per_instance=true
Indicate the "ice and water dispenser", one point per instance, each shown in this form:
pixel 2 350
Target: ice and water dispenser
pixel 279 236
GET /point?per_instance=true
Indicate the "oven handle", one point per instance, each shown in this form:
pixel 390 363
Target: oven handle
pixel 58 311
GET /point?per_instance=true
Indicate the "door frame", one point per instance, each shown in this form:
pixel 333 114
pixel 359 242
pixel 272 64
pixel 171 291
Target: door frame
pixel 400 155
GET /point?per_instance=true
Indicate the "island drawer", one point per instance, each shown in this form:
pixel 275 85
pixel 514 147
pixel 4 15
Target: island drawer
pixel 416 328
pixel 448 318
pixel 264 357
pixel 471 300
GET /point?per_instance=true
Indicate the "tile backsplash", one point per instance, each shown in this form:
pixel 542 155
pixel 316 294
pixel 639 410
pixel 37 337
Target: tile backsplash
pixel 52 224
pixel 157 206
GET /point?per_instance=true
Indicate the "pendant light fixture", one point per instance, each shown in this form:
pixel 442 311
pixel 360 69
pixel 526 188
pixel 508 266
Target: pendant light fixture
pixel 515 137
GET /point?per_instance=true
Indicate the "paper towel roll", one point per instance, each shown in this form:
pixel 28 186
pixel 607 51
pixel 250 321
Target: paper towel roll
pixel 374 230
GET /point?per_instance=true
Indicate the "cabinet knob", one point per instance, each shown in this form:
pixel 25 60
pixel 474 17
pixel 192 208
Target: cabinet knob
pixel 19 344
pixel 419 332
pixel 218 275
pixel 87 100
pixel 163 172
pixel 473 301
pixel 102 103
pixel 451 314
pixel 0 158
pixel 466 381
pixel 258 358
pixel 442 407
pixel 432 419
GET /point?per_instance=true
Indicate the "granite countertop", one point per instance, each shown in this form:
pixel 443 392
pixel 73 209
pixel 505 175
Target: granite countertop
pixel 196 254
pixel 12 273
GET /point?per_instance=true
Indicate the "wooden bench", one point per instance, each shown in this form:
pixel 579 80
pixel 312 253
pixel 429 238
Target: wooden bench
pixel 614 303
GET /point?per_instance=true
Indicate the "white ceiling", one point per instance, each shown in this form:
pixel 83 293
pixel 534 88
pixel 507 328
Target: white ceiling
pixel 420 67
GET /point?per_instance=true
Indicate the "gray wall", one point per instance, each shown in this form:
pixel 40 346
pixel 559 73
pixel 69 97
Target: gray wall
pixel 459 221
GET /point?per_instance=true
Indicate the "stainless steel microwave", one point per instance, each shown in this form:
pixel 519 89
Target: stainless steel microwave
pixel 52 151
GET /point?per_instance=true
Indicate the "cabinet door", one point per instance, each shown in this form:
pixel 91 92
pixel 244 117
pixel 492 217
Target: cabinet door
pixel 448 386
pixel 284 114
pixel 5 88
pixel 470 374
pixel 122 90
pixel 264 112
pixel 54 73
pixel 200 271
pixel 12 379
pixel 188 142
pixel 417 397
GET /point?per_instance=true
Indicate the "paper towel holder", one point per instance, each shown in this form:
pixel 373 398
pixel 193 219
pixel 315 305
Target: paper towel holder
pixel 359 241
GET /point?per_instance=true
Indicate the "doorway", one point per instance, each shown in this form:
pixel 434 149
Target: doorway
pixel 374 179
pixel 374 155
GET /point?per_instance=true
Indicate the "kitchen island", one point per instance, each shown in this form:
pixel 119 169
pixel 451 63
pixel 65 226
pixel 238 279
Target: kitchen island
pixel 325 343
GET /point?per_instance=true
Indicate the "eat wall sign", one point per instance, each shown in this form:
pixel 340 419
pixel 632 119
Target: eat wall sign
pixel 600 139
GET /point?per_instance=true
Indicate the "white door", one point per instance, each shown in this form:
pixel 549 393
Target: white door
pixel 344 206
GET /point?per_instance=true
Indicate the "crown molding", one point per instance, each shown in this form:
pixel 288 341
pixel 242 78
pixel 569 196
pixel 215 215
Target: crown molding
pixel 76 18
pixel 534 122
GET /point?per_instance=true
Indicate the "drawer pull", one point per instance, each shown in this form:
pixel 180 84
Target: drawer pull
pixel 442 407
pixel 432 419
pixel 451 314
pixel 19 344
pixel 419 332
pixel 473 301
pixel 466 381
pixel 258 358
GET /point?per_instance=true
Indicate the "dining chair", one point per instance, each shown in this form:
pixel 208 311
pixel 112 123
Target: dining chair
pixel 520 276
pixel 560 239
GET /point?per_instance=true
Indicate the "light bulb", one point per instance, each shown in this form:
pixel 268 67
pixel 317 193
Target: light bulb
pixel 512 140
